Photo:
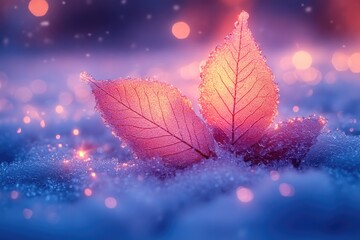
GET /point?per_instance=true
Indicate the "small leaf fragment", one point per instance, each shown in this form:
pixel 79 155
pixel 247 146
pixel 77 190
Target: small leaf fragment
pixel 238 97
pixel 153 118
pixel 288 142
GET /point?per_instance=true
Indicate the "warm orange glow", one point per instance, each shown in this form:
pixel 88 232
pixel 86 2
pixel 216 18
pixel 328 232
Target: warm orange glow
pixel 93 175
pixel 26 119
pixel 81 154
pixel 76 132
pixel 38 7
pixel 180 30
pixel 339 61
pixel 310 75
pixel 354 62
pixel 322 120
pixel 88 192
pixel 244 195
pixel 59 109
pixel 302 60
pixel 190 71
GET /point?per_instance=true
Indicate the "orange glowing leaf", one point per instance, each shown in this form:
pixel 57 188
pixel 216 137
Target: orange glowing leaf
pixel 153 118
pixel 238 97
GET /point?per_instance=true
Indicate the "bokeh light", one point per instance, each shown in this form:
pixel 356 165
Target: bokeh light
pixel 310 76
pixel 286 190
pixel 76 132
pixel 274 175
pixel 180 30
pixel 42 124
pixel 354 62
pixel 38 8
pixel 302 60
pixel 244 194
pixel 110 202
pixel 88 192
pixel 26 119
pixel 81 154
pixel 59 109
pixel 340 61
pixel 295 109
pixel 14 195
pixel 27 213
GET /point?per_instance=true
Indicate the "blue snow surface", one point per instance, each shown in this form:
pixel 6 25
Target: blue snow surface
pixel 91 186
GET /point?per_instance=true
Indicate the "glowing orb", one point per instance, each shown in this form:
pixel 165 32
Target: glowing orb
pixel 274 175
pixel 244 195
pixel 81 154
pixel 302 60
pixel 339 61
pixel 59 109
pixel 38 8
pixel 110 202
pixel 76 132
pixel 88 192
pixel 296 108
pixel 14 195
pixel 354 62
pixel 42 123
pixel 180 30
pixel 286 190
pixel 26 120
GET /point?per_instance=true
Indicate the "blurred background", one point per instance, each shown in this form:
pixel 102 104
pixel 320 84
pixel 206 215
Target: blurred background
pixel 63 174
pixel 311 45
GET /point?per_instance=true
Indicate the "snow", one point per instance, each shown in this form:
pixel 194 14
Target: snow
pixel 158 202
pixel 43 179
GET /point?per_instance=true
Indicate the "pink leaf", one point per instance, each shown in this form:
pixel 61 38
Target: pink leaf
pixel 238 97
pixel 288 142
pixel 153 118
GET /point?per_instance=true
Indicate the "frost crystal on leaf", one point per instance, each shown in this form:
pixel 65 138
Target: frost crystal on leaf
pixel 289 141
pixel 153 118
pixel 238 97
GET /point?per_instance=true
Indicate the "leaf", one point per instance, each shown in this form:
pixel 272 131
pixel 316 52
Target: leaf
pixel 238 97
pixel 153 118
pixel 289 141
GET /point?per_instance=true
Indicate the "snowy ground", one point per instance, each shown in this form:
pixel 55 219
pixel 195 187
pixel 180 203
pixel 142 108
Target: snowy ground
pixel 55 183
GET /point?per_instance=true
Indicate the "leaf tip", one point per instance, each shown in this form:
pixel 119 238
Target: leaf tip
pixel 86 77
pixel 243 16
